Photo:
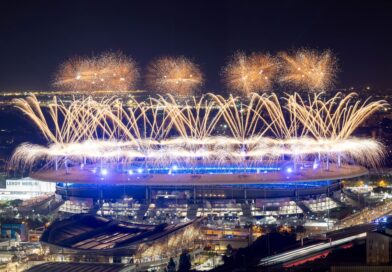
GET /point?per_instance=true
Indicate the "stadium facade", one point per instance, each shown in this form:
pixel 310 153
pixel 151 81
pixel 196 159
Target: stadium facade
pixel 257 183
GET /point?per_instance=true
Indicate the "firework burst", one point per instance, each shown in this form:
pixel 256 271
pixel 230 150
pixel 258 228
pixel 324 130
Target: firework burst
pixel 106 72
pixel 174 75
pixel 163 131
pixel 251 73
pixel 309 69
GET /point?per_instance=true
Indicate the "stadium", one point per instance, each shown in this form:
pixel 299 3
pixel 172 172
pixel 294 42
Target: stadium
pixel 196 187
pixel 137 177
pixel 172 156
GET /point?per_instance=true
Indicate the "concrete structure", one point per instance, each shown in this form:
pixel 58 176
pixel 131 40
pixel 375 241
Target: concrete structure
pixel 277 182
pixel 96 239
pixel 80 267
pixel 379 247
pixel 25 188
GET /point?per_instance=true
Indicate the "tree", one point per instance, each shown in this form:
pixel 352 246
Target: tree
pixel 300 229
pixel 16 202
pixel 229 250
pixel 228 257
pixel 171 266
pixel 184 262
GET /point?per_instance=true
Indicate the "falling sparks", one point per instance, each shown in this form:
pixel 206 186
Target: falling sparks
pixel 309 69
pixel 253 73
pixel 174 75
pixel 106 72
pixel 164 132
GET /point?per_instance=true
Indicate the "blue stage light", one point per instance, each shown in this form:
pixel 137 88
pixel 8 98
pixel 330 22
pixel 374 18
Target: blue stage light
pixel 315 166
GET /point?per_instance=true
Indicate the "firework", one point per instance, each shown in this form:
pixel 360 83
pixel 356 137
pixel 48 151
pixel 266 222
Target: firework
pixel 174 75
pixel 252 73
pixel 106 72
pixel 212 151
pixel 164 132
pixel 309 69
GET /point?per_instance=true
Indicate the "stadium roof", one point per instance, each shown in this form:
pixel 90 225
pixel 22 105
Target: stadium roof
pixel 84 176
pixel 94 233
pixel 80 267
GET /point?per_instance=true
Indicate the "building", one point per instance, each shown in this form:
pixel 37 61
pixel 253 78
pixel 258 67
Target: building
pixel 218 239
pixel 14 231
pixel 379 247
pixel 90 238
pixel 26 188
pixel 81 267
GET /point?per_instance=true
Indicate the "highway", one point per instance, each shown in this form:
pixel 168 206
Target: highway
pixel 305 251
pixel 331 239
pixel 366 215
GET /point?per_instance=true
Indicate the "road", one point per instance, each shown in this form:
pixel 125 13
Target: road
pixel 306 251
pixel 366 215
pixel 331 239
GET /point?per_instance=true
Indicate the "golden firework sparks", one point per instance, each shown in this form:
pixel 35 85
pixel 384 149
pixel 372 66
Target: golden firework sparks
pixel 309 69
pixel 106 72
pixel 176 75
pixel 110 131
pixel 252 73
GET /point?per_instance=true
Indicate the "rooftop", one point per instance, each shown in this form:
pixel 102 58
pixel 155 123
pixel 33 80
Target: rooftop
pixel 93 233
pixel 80 267
pixel 78 175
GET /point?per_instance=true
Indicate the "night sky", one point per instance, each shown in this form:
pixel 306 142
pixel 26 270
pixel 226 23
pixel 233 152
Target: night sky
pixel 36 36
